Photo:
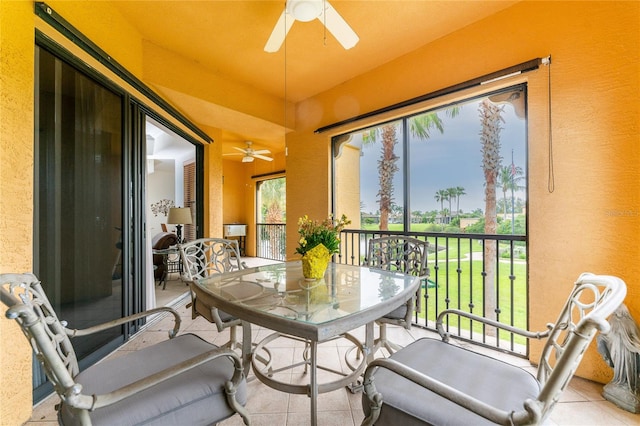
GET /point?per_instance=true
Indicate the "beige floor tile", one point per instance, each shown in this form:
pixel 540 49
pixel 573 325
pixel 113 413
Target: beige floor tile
pixel 262 399
pixel 325 418
pixel 618 413
pixel 358 416
pixel 328 356
pixel 589 390
pixel 587 414
pixel 275 419
pixel 330 401
pixel 45 411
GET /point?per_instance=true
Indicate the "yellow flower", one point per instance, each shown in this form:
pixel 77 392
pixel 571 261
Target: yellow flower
pixel 313 233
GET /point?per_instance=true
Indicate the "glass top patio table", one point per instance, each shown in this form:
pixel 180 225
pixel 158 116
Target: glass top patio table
pixel 278 297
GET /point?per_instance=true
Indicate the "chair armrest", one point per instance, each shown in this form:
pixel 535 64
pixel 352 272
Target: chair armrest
pixel 107 325
pixel 487 411
pixel 76 399
pixel 526 333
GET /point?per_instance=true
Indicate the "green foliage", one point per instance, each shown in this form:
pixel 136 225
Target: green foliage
pixel 519 229
pixel 504 226
pixel 313 233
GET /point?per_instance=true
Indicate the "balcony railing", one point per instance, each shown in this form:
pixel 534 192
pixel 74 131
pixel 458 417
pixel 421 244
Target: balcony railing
pixel 460 278
pixel 478 273
pixel 271 241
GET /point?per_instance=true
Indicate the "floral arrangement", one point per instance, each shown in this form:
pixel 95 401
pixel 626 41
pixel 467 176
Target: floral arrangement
pixel 162 207
pixel 318 241
pixel 313 233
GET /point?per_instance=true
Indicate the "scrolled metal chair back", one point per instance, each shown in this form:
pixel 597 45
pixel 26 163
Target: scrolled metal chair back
pixel 49 338
pixel 592 300
pixel 404 254
pixel 209 256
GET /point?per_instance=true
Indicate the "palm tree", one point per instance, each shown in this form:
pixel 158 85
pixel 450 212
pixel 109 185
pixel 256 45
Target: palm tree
pixel 273 202
pixel 509 178
pixel 491 117
pixel 441 196
pixel 420 126
pixel 459 192
pixel 451 195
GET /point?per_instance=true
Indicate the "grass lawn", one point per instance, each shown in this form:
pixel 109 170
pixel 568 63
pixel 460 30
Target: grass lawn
pixel 456 268
pixel 459 286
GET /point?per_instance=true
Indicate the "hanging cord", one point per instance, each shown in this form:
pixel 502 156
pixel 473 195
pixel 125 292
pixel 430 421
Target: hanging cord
pixel 551 184
pixel 324 23
pixel 285 90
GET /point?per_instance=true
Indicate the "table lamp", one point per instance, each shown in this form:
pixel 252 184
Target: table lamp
pixel 179 216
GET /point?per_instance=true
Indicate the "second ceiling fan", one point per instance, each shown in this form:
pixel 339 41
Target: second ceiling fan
pixel 250 154
pixel 308 10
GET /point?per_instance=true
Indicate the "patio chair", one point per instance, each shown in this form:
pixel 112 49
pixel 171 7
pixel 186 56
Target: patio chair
pixel 435 382
pixel 404 254
pixel 183 380
pixel 202 258
pixel 159 243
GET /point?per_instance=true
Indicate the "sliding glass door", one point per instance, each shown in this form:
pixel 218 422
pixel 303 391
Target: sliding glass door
pixel 79 235
pixel 90 189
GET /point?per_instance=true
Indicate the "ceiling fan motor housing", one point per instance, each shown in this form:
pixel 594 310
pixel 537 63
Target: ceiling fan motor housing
pixel 304 10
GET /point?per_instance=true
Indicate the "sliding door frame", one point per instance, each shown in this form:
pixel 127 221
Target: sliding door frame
pixel 134 244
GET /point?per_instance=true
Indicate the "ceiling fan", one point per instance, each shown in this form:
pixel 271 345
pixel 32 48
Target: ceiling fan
pixel 308 10
pixel 250 154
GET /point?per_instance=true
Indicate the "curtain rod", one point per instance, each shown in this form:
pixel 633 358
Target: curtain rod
pixel 279 172
pixel 64 27
pixel 530 65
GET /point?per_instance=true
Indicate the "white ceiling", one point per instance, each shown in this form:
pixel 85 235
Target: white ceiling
pixel 164 146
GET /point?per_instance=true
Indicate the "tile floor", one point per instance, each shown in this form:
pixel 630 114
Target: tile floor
pixel 581 404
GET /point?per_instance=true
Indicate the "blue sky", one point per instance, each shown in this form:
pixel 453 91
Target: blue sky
pixel 447 160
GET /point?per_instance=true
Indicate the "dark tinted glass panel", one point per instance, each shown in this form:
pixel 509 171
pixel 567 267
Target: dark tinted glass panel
pixel 78 211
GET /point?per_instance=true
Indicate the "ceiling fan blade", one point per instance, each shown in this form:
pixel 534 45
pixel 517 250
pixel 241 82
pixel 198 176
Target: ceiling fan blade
pixel 233 153
pixel 244 151
pixel 279 32
pixel 338 27
pixel 262 151
pixel 262 157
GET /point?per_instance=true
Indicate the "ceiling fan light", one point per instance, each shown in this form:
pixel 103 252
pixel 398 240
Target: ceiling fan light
pixel 247 159
pixel 304 10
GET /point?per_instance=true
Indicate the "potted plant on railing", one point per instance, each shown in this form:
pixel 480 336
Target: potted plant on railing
pixel 318 241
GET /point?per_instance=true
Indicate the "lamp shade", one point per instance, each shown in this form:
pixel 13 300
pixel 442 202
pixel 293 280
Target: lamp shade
pixel 179 215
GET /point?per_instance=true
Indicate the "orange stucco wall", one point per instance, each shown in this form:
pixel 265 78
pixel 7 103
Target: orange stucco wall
pixel 590 221
pixel 16 208
pixel 213 206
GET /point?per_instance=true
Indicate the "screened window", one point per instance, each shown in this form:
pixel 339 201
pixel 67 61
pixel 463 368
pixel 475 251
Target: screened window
pixel 271 217
pixel 441 170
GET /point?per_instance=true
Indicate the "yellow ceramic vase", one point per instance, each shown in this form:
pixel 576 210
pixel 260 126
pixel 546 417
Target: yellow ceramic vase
pixel 315 262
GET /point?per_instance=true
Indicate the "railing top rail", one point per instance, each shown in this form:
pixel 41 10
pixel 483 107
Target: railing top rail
pixel 507 237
